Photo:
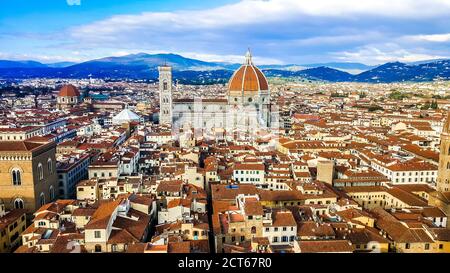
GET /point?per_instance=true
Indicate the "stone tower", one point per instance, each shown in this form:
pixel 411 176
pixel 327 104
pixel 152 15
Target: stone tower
pixel 165 94
pixel 443 181
pixel 441 197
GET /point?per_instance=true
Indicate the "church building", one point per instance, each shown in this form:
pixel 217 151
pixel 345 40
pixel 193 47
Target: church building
pixel 246 109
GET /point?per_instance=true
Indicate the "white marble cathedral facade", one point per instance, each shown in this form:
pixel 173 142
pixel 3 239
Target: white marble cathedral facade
pixel 245 111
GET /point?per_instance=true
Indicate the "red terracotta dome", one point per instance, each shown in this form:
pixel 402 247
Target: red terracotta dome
pixel 68 91
pixel 248 79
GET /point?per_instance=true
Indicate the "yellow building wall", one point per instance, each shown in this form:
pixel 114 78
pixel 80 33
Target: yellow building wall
pixel 7 241
pixel 31 187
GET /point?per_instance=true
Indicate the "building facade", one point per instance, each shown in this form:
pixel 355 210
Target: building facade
pixel 441 197
pixel 27 174
pixel 12 224
pixel 70 172
pixel 247 107
pixel 443 181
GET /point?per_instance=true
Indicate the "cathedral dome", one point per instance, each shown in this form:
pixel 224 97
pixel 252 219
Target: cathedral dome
pixel 68 91
pixel 248 80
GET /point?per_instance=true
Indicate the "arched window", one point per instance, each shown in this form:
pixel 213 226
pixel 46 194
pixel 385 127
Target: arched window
pixel 50 166
pixel 52 193
pixel 42 199
pixel 253 230
pixel 19 204
pixel 16 177
pixel 40 171
pixel 165 86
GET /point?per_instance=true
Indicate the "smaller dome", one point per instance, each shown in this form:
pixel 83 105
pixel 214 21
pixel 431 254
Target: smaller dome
pixel 125 116
pixel 68 91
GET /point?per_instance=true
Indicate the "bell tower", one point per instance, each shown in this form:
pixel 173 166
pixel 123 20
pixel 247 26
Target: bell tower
pixel 165 94
pixel 443 181
pixel 441 197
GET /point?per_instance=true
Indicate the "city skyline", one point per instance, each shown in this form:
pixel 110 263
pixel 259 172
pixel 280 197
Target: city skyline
pixel 278 31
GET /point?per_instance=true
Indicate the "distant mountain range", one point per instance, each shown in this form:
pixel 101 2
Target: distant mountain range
pixel 186 70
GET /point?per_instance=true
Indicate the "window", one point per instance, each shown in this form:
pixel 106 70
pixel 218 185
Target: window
pixel 114 248
pixel 427 246
pixel 42 199
pixel 52 193
pixel 407 245
pixel 16 177
pixel 97 234
pixel 165 86
pixel 18 203
pixel 50 166
pixel 275 239
pixel 40 171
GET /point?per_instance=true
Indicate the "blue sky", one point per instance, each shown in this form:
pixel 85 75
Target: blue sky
pixel 277 31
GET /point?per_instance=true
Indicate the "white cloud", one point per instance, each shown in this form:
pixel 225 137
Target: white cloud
pixel 72 57
pixel 222 30
pixel 229 58
pixel 435 38
pixel 256 12
pixel 373 55
pixel 280 31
